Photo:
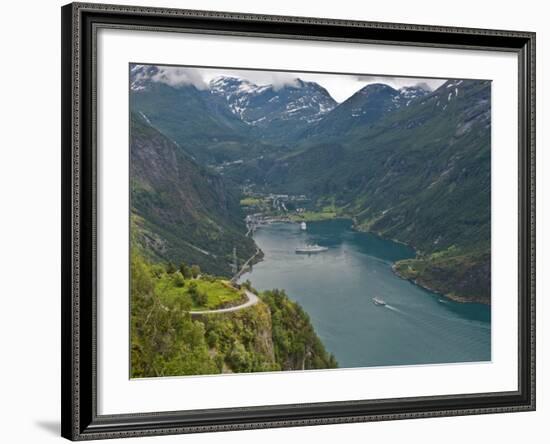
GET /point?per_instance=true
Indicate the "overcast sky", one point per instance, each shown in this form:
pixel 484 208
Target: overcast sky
pixel 340 86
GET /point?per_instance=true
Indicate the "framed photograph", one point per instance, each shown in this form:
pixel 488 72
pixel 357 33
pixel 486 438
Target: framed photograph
pixel 281 221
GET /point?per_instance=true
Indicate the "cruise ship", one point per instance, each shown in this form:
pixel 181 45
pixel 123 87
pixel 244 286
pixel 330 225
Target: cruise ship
pixel 309 249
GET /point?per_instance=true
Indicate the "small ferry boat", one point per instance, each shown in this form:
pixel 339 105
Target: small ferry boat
pixel 309 249
pixel 378 301
pixel 303 226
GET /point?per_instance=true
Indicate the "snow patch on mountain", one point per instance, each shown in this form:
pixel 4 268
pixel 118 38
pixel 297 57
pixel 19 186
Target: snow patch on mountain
pixel 142 76
pixel 262 104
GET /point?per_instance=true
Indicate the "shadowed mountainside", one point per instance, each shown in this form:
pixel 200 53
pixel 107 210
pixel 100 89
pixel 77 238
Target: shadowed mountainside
pixel 180 210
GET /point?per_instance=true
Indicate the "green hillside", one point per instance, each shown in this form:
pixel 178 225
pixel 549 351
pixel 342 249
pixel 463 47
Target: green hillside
pixel 274 334
pixel 199 121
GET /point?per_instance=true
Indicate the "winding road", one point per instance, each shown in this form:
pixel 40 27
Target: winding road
pixel 252 300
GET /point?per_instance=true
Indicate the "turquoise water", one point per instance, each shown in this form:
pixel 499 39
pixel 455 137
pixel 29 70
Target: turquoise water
pixel 336 288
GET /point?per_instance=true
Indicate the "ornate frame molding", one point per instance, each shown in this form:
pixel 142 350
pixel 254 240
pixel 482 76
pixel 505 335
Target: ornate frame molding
pixel 79 412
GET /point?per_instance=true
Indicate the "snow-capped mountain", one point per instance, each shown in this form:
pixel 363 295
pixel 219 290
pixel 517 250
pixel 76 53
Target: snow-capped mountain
pixel 365 107
pixel 450 90
pixel 141 75
pixel 283 109
pixel 454 94
pixel 271 112
pixel 211 117
pixel 379 99
pixel 409 93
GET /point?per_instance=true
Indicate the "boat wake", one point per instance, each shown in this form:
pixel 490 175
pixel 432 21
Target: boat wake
pixel 392 308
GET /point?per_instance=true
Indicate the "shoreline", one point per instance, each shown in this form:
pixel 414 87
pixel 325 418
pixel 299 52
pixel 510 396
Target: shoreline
pixel 451 297
pixel 355 227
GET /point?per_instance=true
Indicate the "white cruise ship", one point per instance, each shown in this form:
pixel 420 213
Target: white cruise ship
pixel 309 249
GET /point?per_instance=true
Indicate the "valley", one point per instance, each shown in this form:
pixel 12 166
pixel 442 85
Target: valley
pixel 408 164
pixel 225 168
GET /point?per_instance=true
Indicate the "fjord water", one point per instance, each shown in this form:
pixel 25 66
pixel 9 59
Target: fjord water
pixel 336 288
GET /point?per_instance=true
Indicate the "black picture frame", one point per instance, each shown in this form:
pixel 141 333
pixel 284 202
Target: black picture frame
pixel 80 420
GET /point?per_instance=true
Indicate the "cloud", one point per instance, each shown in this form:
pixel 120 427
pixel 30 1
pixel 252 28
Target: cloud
pixel 177 77
pixel 340 86
pixel 424 85
pixel 400 82
pixel 277 79
pixel 280 81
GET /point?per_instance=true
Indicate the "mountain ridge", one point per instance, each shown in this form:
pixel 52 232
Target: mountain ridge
pixel 408 164
pixel 368 105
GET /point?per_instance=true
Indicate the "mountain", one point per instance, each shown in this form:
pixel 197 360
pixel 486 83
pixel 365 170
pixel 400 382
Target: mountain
pixel 408 155
pixel 364 108
pixel 409 164
pixel 419 172
pixel 275 113
pixel 180 210
pixel 228 119
pixel 186 113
